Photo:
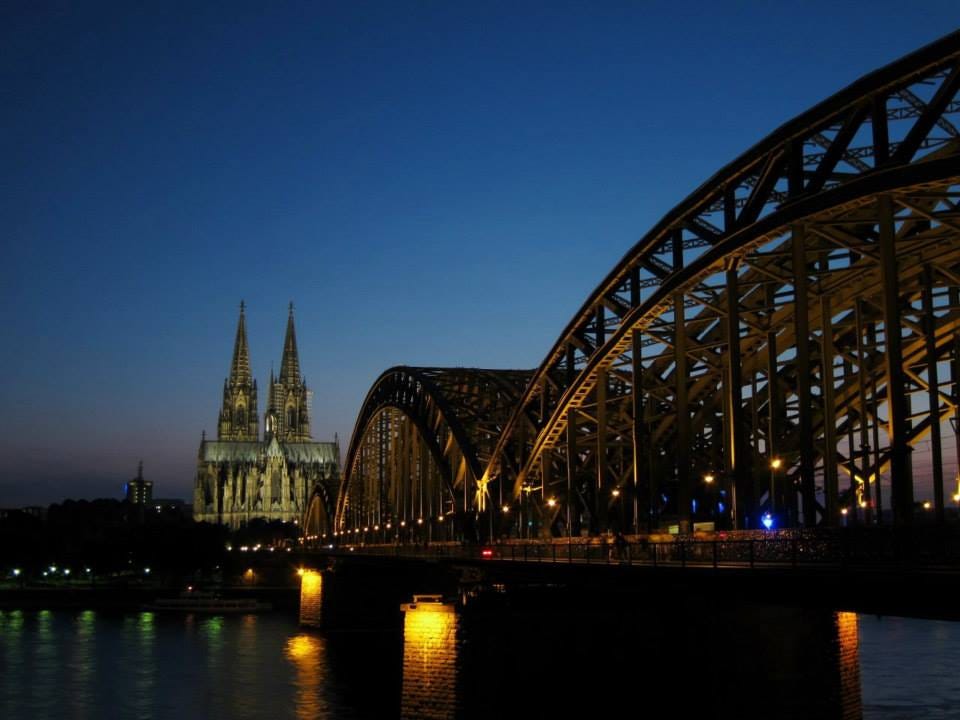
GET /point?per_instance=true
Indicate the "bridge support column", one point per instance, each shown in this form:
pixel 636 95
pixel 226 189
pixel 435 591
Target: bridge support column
pixel 683 459
pixel 636 399
pixel 901 481
pixel 601 500
pixel 864 373
pixel 801 322
pixel 830 490
pixel 852 510
pixel 546 480
pixel 738 467
pixel 571 468
pixel 955 379
pixel 875 427
pixel 933 392
pixel 773 405
pixel 683 414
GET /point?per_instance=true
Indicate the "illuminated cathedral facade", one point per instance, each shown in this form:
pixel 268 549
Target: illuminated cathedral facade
pixel 241 476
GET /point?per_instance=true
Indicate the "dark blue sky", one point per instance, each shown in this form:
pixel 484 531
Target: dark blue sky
pixel 431 183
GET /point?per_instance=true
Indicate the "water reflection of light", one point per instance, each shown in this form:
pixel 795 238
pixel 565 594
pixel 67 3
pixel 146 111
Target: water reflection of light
pixel 12 645
pixel 83 664
pixel 243 663
pixel 85 622
pixel 145 626
pixel 44 675
pixel 212 627
pixel 305 652
pixel 144 672
pixel 848 643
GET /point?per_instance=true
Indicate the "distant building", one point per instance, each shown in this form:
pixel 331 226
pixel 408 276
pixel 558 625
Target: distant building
pixel 241 477
pixel 35 511
pixel 176 505
pixel 139 491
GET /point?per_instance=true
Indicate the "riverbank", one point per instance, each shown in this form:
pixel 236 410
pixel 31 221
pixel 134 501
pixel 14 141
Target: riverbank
pixel 126 598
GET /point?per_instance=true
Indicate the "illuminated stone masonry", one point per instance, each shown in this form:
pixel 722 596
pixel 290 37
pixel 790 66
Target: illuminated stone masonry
pixel 240 476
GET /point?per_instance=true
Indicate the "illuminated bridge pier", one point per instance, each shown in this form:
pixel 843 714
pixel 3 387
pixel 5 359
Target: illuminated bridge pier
pixel 616 629
pixel 779 350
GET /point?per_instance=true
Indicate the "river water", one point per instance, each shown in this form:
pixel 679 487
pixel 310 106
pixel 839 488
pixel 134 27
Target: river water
pixel 92 664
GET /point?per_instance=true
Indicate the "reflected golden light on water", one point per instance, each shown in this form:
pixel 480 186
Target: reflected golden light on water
pixel 305 652
pixel 311 597
pixel 145 679
pixel 429 661
pixel 848 644
pixel 302 647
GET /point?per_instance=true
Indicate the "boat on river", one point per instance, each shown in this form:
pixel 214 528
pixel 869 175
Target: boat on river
pixel 194 601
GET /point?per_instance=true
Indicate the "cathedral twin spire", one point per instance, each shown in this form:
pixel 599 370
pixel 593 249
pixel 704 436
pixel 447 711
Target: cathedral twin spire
pixel 290 364
pixel 240 367
pixel 288 415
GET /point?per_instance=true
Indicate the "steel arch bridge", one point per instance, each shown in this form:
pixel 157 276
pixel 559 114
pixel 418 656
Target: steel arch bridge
pixel 774 346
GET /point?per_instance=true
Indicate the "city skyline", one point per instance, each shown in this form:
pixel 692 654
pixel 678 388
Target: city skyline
pixel 395 171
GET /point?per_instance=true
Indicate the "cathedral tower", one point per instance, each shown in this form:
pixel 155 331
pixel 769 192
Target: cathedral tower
pixel 238 416
pixel 288 414
pixel 240 477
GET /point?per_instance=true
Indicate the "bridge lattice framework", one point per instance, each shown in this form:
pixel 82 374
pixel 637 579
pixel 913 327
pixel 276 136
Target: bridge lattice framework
pixel 788 331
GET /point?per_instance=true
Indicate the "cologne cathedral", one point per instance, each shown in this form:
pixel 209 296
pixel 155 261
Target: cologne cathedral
pixel 241 476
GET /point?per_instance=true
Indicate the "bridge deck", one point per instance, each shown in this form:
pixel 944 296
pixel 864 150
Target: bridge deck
pixel 827 550
pixel 912 574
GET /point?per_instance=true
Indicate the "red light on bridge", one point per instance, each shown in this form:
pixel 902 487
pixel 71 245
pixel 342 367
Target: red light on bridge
pixel 486 552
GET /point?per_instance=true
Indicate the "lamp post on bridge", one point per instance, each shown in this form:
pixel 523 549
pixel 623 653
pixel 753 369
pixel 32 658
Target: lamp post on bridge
pixel 708 480
pixel 616 498
pixel 775 464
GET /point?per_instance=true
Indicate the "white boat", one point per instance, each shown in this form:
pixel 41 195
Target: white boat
pixel 204 602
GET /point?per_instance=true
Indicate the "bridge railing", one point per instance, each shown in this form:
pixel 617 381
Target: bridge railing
pixel 783 549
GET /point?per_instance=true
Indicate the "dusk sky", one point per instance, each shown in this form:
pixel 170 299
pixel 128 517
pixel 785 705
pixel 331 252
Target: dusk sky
pixel 431 183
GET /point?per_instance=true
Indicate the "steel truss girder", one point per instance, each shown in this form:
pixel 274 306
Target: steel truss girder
pixel 890 134
pixel 458 413
pixel 801 192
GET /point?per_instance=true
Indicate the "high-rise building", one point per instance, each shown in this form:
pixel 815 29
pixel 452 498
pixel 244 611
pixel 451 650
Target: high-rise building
pixel 138 491
pixel 241 477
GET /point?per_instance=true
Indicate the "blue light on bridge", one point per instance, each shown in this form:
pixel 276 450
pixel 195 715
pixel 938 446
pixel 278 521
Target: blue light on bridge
pixel 767 520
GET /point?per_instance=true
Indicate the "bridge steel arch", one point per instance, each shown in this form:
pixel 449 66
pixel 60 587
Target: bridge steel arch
pixel 748 311
pixel 419 447
pixel 773 347
pixel 319 516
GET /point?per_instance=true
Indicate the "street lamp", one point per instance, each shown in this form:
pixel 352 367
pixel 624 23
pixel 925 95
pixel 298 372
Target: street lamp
pixel 708 480
pixel 527 489
pixel 775 464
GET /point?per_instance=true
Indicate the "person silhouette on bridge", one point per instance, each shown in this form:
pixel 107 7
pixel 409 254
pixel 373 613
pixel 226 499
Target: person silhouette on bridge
pixel 621 545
